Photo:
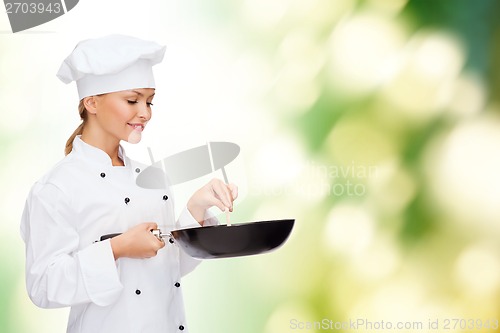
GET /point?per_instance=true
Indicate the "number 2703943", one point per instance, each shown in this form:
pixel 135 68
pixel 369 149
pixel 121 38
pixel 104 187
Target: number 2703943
pixel 470 324
pixel 32 8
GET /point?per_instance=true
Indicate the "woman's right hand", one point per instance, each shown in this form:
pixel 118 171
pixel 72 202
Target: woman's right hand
pixel 137 242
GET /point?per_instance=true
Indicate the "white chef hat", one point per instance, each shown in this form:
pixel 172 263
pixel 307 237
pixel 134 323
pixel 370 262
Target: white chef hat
pixel 111 63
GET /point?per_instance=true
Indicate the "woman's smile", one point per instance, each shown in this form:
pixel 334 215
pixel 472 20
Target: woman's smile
pixel 135 135
pixel 137 127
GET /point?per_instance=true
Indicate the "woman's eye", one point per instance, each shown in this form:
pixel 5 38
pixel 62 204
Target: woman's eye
pixel 149 104
pixel 131 102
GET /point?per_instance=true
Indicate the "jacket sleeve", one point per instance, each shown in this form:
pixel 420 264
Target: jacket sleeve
pixel 186 220
pixel 58 273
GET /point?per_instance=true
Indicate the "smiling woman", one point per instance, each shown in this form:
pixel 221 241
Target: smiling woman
pixel 131 106
pixel 93 192
pixel 117 116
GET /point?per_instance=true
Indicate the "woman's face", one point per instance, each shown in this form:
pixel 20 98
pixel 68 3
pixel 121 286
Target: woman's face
pixel 124 114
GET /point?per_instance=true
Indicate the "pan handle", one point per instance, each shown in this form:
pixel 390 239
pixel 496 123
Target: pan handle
pixel 156 232
pixel 104 237
pixel 161 236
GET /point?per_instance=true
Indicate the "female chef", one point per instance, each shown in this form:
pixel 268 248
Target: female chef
pixel 130 283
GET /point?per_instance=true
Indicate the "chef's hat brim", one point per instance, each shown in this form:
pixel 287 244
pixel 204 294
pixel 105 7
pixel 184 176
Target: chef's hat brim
pixel 112 63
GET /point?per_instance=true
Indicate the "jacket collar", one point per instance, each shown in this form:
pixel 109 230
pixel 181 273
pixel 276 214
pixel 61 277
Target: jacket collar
pixel 95 155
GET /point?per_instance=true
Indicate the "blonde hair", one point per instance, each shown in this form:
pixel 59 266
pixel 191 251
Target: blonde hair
pixel 83 116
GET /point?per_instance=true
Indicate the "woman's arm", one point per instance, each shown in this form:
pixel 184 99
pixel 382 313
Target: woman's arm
pixel 138 242
pixel 215 193
pixel 58 273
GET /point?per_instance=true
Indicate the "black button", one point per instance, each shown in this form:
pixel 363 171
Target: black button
pixel 137 170
pixel 165 197
pixel 127 200
pixel 171 240
pixel 177 284
pixel 137 292
pixel 181 328
pixel 103 174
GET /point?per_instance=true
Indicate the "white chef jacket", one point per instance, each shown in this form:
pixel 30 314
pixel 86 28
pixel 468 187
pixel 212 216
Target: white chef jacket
pixel 66 212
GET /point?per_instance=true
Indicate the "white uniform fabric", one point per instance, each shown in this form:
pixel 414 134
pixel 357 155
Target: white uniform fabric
pixel 82 198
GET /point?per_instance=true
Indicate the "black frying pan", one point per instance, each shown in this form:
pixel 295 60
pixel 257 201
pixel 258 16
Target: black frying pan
pixel 236 240
pixel 223 241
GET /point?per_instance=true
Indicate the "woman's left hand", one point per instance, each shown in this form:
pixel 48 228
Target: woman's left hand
pixel 215 193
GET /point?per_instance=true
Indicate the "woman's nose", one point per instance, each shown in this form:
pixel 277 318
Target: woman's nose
pixel 145 113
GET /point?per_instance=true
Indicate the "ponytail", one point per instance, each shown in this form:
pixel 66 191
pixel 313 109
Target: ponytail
pixel 79 130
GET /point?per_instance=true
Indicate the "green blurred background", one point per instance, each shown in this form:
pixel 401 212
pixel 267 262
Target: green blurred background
pixel 375 124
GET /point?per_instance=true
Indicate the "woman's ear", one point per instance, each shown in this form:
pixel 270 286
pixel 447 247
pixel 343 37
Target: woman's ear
pixel 90 104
